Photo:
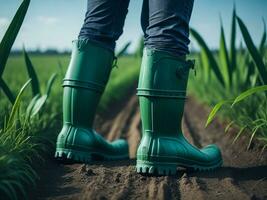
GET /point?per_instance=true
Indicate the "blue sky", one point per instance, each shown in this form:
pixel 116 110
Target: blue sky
pixel 55 23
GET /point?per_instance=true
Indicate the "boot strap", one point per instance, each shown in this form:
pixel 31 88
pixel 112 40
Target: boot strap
pixel 179 94
pixel 85 85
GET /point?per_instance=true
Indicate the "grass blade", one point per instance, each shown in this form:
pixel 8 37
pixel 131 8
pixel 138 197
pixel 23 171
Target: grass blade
pixel 253 51
pixel 50 84
pixel 239 133
pixel 212 61
pixel 38 102
pixel 15 107
pixel 30 107
pixel 215 110
pixel 252 136
pixel 32 74
pixel 249 92
pixel 11 34
pixel 229 126
pixel 38 105
pixel 7 91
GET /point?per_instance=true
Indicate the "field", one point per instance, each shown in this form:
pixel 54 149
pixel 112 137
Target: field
pixel 226 105
pixel 243 174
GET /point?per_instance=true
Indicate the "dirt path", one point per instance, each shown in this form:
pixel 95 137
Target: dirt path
pixel 243 176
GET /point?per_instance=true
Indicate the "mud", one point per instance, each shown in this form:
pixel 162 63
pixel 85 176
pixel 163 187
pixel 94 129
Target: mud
pixel 243 175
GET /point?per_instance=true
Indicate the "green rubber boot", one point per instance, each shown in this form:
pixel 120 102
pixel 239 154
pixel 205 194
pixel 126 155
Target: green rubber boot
pixel 85 80
pixel 162 92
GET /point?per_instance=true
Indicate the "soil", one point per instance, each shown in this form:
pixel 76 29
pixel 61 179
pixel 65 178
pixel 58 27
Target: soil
pixel 243 175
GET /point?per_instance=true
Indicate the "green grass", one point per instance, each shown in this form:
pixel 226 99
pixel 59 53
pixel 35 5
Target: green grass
pixel 22 144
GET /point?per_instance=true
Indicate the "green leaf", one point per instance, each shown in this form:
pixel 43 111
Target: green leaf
pixel 239 133
pixel 229 126
pixel 11 189
pixel 212 61
pixel 123 49
pixel 50 83
pixel 7 91
pixel 31 105
pixel 38 105
pixel 32 74
pixel 252 136
pixel 206 69
pixel 249 92
pixel 263 39
pixel 215 110
pixel 6 191
pixel 16 105
pixel 38 101
pixel 140 47
pixel 232 42
pixel 253 51
pixel 224 59
pixel 11 34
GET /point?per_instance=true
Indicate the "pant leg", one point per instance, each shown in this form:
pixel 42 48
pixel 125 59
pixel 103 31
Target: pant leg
pixel 165 24
pixel 104 21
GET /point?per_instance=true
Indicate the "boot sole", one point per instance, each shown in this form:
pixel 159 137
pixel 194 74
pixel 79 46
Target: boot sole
pixel 74 156
pixel 164 168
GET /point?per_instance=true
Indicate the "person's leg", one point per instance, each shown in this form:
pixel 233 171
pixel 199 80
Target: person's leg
pixel 162 92
pixel 104 21
pixel 85 81
pixel 166 25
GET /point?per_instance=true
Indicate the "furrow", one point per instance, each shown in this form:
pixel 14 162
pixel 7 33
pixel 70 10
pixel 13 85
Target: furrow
pixel 133 134
pixel 122 120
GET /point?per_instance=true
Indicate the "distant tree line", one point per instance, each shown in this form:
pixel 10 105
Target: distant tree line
pixel 42 52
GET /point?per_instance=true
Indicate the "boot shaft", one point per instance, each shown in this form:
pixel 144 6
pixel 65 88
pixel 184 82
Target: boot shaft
pixel 162 92
pixel 90 65
pixel 84 82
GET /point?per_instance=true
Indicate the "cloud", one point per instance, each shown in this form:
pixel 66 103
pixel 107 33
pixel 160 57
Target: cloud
pixel 3 22
pixel 48 20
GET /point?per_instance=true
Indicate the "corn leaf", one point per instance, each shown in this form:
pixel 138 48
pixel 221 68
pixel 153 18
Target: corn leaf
pixel 205 64
pixel 212 62
pixel 253 52
pixel 263 40
pixel 249 92
pixel 123 50
pixel 216 109
pixel 232 42
pixel 32 74
pixel 11 34
pixel 7 91
pixel 224 60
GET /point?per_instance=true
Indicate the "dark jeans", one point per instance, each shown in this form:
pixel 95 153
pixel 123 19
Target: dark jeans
pixel 165 23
